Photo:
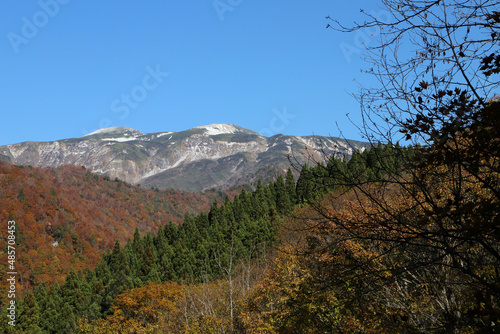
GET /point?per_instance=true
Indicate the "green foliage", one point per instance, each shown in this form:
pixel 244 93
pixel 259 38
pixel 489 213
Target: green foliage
pixel 29 317
pixel 369 166
pixel 20 195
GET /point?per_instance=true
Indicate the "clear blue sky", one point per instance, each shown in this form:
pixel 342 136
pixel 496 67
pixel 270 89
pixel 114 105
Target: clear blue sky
pixel 70 67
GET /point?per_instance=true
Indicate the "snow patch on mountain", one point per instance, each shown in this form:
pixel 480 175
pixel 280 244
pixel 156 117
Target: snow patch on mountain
pixel 126 131
pixel 218 129
pixel 164 134
pixel 120 139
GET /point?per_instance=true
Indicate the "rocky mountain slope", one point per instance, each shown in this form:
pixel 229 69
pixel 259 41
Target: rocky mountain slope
pixel 204 157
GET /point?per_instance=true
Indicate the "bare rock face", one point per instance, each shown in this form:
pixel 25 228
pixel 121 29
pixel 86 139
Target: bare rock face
pixel 212 156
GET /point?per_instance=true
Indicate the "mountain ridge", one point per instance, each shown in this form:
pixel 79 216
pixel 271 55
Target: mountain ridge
pixel 200 158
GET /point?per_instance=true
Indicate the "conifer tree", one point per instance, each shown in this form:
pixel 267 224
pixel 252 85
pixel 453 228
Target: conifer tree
pixel 41 294
pixel 335 169
pixel 166 268
pixel 160 242
pixel 154 275
pixel 290 186
pixel 67 321
pixel 71 292
pixel 261 202
pixel 303 187
pixel 282 199
pixel 147 263
pixel 29 315
pixel 50 319
pixel 132 259
pixel 171 232
pixel 137 243
pixel 120 275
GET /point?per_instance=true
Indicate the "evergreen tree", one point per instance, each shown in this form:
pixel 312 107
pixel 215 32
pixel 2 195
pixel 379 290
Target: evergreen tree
pixel 154 275
pixel 166 268
pixel 71 292
pixel 67 323
pixel 137 243
pixel 120 277
pixel 41 294
pixel 282 199
pixel 50 319
pixel 335 170
pixel 171 232
pixel 303 187
pixel 132 259
pixel 147 263
pixel 160 242
pixel 261 206
pixel 290 187
pixel 29 315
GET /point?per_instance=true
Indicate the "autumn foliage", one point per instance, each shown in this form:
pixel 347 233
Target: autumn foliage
pixel 66 217
pixel 152 308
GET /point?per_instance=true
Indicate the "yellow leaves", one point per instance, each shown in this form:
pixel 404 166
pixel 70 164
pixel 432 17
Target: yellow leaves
pixel 105 326
pixel 207 324
pixel 494 99
pixel 170 308
pixel 151 308
pixel 129 302
pixel 286 300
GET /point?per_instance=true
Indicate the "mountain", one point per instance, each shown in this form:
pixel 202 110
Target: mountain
pixel 6 159
pixel 204 157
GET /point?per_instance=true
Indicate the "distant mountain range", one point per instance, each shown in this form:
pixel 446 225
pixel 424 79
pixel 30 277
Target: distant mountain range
pixel 204 157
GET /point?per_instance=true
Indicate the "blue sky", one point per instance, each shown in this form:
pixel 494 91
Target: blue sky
pixel 70 67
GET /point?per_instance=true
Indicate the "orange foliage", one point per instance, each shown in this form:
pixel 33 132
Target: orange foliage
pixel 67 217
pixel 150 308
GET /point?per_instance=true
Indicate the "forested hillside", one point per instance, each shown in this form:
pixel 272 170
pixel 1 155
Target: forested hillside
pixel 67 217
pixel 215 258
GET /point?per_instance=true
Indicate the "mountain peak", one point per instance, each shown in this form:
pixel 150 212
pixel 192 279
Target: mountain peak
pixel 115 131
pixel 217 129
